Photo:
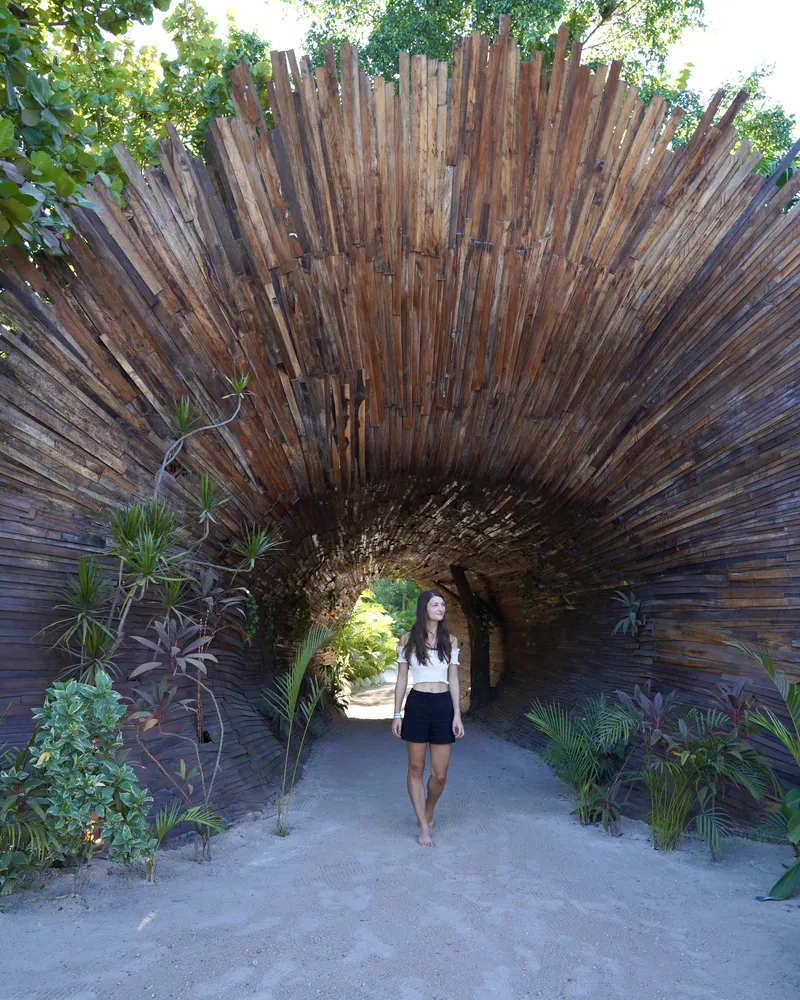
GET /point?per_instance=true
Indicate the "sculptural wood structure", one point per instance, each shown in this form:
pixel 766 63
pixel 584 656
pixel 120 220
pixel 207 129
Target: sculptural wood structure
pixel 491 320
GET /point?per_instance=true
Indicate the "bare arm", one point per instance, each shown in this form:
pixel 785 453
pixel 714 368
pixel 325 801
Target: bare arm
pixel 455 694
pixel 400 685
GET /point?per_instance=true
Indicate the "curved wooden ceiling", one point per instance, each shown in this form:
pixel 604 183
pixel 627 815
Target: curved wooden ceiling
pixel 492 316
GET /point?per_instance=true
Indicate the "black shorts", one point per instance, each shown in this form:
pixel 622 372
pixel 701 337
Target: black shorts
pixel 428 717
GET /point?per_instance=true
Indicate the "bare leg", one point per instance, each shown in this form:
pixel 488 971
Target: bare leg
pixel 416 789
pixel 440 761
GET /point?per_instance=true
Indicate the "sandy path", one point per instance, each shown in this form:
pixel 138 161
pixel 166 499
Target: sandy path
pixel 516 901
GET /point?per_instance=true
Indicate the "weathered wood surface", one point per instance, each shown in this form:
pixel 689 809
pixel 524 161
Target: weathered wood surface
pixel 493 320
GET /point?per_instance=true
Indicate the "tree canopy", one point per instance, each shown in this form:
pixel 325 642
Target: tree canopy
pixel 640 33
pixel 70 91
pixel 72 84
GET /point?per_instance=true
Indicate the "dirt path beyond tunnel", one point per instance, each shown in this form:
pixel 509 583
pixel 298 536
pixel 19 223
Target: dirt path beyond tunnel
pixel 516 901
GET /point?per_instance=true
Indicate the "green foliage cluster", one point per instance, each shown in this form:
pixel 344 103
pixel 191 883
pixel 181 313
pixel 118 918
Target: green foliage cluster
pixel 69 789
pixel 769 128
pixel 77 747
pixel 71 86
pixel 786 822
pixel 640 34
pixel 43 141
pixel 25 841
pixel 129 94
pixel 399 598
pixel 366 644
pixel 147 562
pixel 687 758
pixel 585 749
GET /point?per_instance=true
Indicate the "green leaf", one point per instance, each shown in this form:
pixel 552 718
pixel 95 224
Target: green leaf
pixel 65 185
pixel 792 798
pixel 14 209
pixel 6 134
pixel 39 89
pixel 31 117
pixel 786 884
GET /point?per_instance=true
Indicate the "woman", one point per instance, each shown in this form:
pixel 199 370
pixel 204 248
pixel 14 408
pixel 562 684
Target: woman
pixel 433 712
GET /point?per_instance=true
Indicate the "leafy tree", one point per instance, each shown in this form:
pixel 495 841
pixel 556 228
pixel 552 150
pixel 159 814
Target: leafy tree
pixel 639 32
pixel 365 645
pixel 768 126
pixel 399 598
pixel 43 142
pixel 73 90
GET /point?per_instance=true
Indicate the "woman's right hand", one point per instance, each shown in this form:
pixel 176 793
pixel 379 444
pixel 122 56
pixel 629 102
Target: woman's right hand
pixel 397 725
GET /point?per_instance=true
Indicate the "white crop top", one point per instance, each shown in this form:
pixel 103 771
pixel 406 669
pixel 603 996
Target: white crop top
pixel 432 672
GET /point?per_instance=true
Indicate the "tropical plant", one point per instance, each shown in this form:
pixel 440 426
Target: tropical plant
pixel 93 797
pixel 285 698
pixel 707 759
pixel 74 86
pixel 364 645
pixel 152 563
pixel 788 817
pixel 736 702
pixel 640 34
pixel 168 818
pixel 25 841
pixel 668 796
pixel 630 622
pixel 586 748
pixel 399 598
pixel 689 760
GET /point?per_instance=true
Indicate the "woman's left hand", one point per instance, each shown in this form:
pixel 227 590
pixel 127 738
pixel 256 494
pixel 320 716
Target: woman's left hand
pixel 458 727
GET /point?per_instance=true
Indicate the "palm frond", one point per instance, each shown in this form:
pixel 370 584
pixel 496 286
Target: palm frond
pixel 714 826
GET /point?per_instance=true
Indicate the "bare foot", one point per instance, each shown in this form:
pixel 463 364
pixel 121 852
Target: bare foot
pixel 431 824
pixel 425 839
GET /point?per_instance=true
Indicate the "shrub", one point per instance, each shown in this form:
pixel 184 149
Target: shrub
pixel 399 599
pixel 92 795
pixel 365 645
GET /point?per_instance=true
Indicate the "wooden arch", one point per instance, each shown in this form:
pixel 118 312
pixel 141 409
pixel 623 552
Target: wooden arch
pixel 493 319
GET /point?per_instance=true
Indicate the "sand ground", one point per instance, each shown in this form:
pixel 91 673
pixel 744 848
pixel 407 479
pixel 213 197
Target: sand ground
pixel 516 901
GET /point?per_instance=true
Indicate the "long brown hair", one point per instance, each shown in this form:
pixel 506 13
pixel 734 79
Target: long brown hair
pixel 417 639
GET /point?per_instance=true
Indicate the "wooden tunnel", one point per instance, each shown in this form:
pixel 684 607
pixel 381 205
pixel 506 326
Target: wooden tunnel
pixel 492 320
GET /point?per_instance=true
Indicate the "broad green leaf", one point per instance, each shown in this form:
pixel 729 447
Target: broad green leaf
pixel 65 185
pixel 39 89
pixel 13 209
pixel 6 134
pixel 786 884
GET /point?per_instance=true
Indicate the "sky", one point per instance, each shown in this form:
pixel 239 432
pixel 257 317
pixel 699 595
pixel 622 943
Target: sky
pixel 738 39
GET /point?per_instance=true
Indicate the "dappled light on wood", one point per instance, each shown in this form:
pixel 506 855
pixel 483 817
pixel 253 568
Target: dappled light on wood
pixel 491 320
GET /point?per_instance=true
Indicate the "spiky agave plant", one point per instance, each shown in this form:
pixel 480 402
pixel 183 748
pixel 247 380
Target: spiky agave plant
pixel 285 700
